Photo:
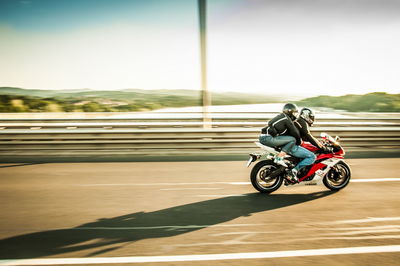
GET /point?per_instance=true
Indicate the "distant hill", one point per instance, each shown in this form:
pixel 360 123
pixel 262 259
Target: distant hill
pixel 19 91
pixel 85 100
pixel 24 100
pixel 371 102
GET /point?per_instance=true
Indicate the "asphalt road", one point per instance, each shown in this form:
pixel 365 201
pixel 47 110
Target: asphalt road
pixel 109 210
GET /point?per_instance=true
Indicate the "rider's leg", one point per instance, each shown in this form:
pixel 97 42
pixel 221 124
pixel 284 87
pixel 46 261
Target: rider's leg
pixel 307 156
pixel 286 142
pixel 285 149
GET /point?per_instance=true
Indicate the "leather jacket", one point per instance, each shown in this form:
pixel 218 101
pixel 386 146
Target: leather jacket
pixel 305 133
pixel 282 125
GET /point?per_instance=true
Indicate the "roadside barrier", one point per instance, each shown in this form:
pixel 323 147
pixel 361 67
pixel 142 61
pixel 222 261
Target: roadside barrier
pixel 229 133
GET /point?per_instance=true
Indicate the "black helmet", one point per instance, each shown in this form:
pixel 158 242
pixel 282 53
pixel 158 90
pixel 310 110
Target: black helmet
pixel 308 115
pixel 290 109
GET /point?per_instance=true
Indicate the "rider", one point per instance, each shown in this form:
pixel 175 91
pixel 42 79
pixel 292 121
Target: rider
pixel 273 134
pixel 302 123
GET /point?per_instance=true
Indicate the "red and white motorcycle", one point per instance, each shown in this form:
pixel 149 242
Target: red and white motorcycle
pixel 328 168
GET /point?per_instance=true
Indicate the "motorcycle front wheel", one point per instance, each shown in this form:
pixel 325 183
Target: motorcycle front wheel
pixel 260 177
pixel 338 177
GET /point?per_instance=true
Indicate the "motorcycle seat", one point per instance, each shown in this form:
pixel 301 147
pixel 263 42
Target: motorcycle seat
pixel 268 148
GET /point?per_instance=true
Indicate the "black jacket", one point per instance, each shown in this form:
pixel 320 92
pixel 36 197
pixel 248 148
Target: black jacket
pixel 305 133
pixel 282 125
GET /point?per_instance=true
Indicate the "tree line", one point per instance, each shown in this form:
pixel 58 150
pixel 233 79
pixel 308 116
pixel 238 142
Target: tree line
pixel 372 102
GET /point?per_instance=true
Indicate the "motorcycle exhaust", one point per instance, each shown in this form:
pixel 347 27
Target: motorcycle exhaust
pixel 277 172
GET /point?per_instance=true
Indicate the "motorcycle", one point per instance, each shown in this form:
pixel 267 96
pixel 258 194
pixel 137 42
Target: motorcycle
pixel 329 168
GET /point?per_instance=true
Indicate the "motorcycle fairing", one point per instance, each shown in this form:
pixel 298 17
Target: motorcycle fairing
pixel 312 170
pixel 309 146
pixel 327 164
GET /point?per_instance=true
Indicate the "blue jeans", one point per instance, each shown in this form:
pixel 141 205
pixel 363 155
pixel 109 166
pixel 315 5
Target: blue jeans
pixel 307 156
pixel 287 142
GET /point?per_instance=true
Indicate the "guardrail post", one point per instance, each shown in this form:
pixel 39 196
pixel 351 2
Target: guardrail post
pixel 205 95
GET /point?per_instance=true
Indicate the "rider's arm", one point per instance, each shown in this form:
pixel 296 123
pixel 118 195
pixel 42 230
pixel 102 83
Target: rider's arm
pixel 306 134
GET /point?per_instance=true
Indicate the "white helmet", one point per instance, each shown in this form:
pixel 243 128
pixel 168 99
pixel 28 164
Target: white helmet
pixel 308 115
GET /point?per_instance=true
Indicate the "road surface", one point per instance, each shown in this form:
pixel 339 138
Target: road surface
pixel 169 213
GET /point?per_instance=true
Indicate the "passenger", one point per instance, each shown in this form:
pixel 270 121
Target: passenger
pixel 281 132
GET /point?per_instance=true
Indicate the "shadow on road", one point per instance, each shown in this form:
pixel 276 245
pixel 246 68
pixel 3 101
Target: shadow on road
pixel 105 233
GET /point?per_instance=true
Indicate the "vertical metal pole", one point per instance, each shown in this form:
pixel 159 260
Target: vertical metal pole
pixel 205 95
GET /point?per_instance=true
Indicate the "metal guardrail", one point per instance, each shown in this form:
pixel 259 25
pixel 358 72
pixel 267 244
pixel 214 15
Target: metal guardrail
pixel 229 134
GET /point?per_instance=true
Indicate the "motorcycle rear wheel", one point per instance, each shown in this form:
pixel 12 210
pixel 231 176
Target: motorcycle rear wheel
pixel 260 180
pixel 338 177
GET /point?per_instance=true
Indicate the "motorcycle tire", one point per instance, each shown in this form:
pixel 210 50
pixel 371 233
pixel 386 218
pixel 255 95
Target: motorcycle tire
pixel 259 177
pixel 338 176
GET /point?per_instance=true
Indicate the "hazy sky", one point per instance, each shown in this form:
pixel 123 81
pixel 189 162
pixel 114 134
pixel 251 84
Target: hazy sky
pixel 300 47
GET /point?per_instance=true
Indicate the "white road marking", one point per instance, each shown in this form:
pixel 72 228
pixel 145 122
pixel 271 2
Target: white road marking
pixel 360 232
pixel 217 196
pixel 238 241
pixel 168 227
pixel 361 180
pixel 164 184
pixel 191 188
pixel 374 180
pixel 368 220
pixel 352 230
pixel 355 237
pixel 362 228
pixel 239 183
pixel 206 257
pixel 355 230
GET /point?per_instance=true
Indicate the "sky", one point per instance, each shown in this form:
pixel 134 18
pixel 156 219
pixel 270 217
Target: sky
pixel 278 47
